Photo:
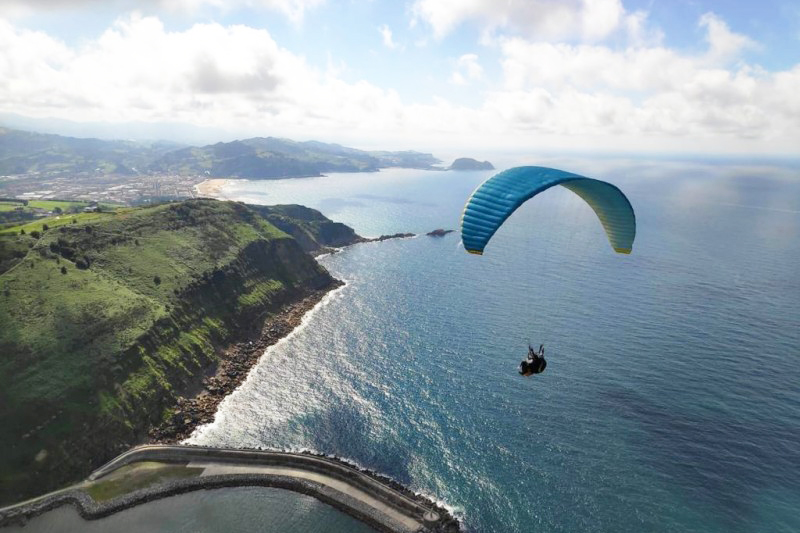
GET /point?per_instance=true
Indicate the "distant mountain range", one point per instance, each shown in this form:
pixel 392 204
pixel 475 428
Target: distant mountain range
pixel 24 152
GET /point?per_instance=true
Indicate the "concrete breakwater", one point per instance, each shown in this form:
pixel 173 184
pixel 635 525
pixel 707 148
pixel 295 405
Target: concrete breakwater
pixel 342 486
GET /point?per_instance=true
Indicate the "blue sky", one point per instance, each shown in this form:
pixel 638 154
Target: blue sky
pixel 677 76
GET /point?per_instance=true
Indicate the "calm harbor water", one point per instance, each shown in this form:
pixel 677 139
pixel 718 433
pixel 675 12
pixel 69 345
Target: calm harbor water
pixel 671 399
pixel 265 510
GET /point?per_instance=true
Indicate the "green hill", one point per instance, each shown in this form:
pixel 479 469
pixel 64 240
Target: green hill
pixel 312 230
pixel 106 320
pixel 48 155
pixel 269 158
pixel 22 152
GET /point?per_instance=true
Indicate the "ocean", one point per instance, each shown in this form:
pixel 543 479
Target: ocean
pixel 671 398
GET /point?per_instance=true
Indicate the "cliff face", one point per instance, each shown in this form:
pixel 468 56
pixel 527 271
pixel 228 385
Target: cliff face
pixel 105 324
pixel 309 227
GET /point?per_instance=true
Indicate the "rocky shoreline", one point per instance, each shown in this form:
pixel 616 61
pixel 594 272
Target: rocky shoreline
pixel 393 236
pixel 236 361
pixel 439 232
pixel 234 365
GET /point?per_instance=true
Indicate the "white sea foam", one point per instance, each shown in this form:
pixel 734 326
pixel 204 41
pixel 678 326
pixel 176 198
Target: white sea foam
pixel 221 416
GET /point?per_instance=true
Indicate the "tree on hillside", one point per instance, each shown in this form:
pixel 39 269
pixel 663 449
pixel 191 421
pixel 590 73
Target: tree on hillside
pixel 157 280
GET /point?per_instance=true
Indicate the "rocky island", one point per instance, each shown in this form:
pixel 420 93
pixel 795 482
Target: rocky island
pixel 467 163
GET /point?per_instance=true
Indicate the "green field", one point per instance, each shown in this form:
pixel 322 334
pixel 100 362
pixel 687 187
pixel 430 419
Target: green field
pixel 47 205
pixel 56 221
pixel 107 316
pixel 19 214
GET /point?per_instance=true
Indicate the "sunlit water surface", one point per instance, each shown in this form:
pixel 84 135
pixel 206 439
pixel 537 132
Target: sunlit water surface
pixel 671 401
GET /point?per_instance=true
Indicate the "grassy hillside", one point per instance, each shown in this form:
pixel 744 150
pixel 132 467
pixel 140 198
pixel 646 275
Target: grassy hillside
pixel 265 158
pixel 313 230
pixel 262 159
pixel 107 318
pixel 14 212
pixel 22 151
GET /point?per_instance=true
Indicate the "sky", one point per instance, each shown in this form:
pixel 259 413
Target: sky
pixel 677 76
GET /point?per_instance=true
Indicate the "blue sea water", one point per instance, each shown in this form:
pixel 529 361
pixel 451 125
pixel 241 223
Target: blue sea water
pixel 671 402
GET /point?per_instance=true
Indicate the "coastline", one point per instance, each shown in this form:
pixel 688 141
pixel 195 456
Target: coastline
pixel 210 188
pixel 237 361
pixel 190 413
pixel 234 365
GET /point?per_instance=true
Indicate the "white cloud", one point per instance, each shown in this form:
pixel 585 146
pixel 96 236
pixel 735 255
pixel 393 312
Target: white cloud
pixel 723 44
pixel 541 19
pixel 237 78
pixel 638 32
pixel 386 35
pixel 232 78
pixel 467 69
pixel 136 70
pixel 293 9
pixel 648 91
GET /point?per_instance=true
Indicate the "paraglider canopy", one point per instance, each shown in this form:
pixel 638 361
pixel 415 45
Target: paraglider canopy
pixel 499 196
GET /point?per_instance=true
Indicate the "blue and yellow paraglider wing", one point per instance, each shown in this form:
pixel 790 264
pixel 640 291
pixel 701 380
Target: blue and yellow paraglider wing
pixel 499 196
pixel 611 207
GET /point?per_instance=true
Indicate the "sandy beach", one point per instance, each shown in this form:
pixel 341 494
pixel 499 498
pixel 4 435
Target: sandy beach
pixel 210 188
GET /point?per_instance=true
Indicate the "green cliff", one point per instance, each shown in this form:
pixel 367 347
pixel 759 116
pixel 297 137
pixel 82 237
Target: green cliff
pixel 107 319
pixel 313 230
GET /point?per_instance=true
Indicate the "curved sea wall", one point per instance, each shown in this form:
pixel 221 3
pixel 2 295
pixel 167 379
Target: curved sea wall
pixel 406 511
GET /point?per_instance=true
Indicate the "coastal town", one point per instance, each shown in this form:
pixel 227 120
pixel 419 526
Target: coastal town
pixel 139 189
